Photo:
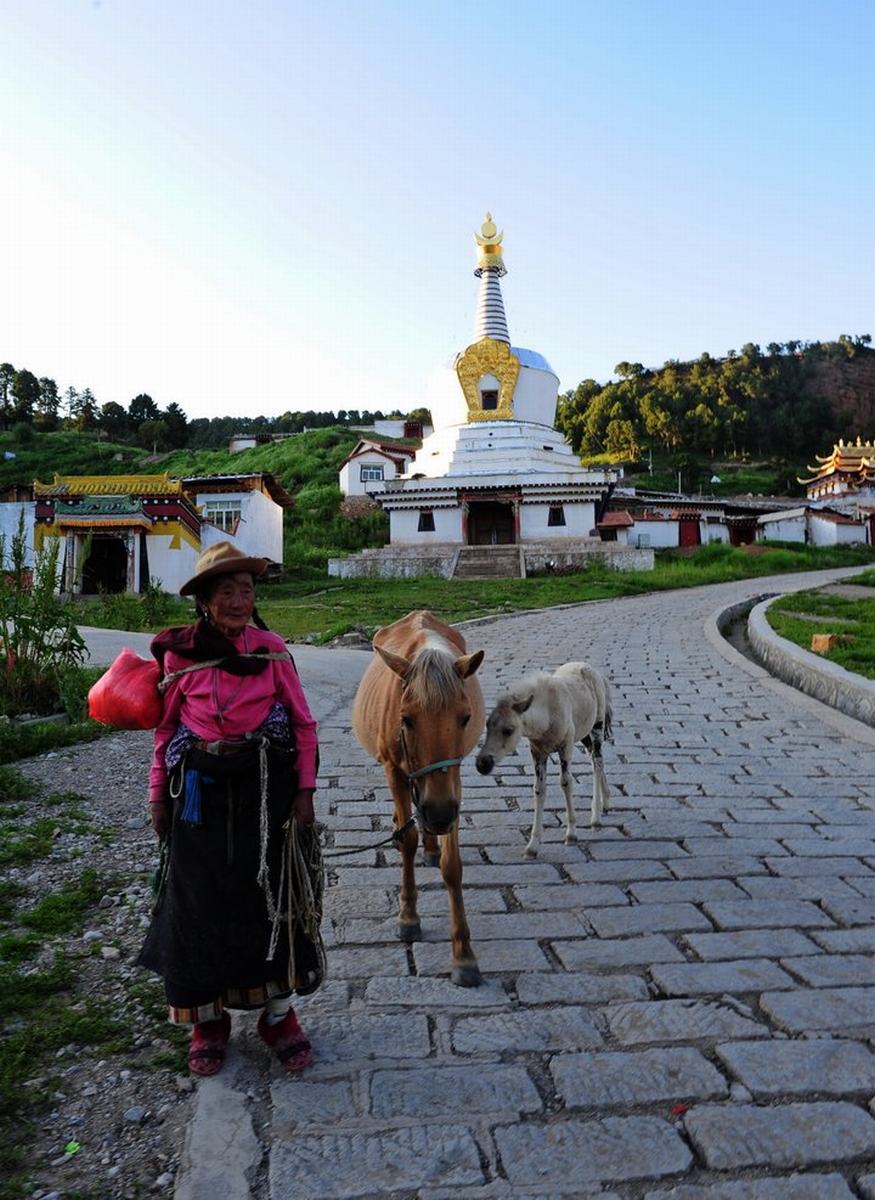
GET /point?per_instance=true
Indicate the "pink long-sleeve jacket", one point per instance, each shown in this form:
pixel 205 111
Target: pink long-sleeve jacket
pixel 217 705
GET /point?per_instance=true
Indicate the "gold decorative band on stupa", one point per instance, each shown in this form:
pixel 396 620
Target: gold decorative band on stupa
pixel 489 248
pixel 488 357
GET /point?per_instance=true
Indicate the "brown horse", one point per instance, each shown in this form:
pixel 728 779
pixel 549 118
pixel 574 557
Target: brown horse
pixel 419 711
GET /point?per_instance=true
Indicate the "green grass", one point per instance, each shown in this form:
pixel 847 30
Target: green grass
pixel 312 606
pixel 852 618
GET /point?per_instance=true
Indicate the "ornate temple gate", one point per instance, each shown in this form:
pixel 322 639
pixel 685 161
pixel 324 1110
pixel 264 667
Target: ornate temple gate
pixel 492 520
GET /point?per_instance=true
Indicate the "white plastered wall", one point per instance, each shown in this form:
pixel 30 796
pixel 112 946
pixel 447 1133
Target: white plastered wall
pixel 350 480
pixel 11 512
pixel 260 531
pixel 404 531
pixel 579 521
pixel 171 567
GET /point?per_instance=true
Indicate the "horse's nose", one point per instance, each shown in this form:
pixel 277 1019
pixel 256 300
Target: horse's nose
pixel 485 763
pixel 439 818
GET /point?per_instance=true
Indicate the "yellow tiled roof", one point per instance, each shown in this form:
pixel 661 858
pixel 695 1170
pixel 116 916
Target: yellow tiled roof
pixel 109 485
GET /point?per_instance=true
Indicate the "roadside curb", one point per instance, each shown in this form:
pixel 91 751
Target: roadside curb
pixel 788 667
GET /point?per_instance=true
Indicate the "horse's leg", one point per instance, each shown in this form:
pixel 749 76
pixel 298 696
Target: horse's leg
pixel 565 779
pixel 465 971
pixel 539 792
pixel 431 853
pixel 409 928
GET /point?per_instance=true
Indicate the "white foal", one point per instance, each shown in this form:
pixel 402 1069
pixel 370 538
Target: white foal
pixel 553 712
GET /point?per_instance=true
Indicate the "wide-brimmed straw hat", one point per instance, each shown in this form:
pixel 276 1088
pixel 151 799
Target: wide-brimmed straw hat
pixel 221 559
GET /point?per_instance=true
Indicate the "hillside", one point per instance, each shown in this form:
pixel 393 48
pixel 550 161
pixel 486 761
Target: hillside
pixel 791 402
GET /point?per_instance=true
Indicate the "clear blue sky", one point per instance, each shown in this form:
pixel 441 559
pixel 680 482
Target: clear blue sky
pixel 256 207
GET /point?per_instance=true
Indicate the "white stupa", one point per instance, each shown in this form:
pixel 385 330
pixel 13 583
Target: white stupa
pixel 495 470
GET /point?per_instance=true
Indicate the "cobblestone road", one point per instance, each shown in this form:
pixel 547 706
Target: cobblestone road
pixel 680 1006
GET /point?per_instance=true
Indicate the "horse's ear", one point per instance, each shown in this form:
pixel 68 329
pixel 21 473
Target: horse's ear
pixel 468 664
pixel 520 706
pixel 393 661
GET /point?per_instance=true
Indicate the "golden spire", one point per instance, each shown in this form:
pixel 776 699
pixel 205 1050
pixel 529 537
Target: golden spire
pixel 489 248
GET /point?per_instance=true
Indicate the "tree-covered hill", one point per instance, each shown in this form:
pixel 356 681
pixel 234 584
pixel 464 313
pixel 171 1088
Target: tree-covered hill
pixel 790 401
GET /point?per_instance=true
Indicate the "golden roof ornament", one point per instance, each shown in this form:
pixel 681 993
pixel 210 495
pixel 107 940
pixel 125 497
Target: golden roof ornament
pixel 489 248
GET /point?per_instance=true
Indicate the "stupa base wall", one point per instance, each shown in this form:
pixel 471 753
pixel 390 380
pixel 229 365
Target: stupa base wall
pixel 540 558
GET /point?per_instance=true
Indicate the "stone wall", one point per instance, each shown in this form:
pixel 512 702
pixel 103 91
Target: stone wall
pixel 408 562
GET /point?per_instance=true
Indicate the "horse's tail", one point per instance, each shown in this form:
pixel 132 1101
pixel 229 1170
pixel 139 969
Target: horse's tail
pixel 609 715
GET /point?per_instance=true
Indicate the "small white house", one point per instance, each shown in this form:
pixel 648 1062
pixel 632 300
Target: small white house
pixel 833 529
pixel 370 464
pixel 817 527
pixel 246 510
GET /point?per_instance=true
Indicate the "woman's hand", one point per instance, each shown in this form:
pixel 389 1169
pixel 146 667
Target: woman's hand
pixel 302 806
pixel 159 818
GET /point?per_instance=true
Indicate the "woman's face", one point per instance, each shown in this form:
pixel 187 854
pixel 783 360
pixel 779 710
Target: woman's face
pixel 231 603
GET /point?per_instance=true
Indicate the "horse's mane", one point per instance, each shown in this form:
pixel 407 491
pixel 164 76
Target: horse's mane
pixel 433 681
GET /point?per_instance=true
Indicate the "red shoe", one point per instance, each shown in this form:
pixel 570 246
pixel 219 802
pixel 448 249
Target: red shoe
pixel 287 1040
pixel 209 1040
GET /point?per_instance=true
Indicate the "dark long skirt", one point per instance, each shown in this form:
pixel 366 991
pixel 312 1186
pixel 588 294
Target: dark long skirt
pixel 210 934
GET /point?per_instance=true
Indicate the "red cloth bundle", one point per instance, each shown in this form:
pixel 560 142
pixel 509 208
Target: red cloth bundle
pixel 127 695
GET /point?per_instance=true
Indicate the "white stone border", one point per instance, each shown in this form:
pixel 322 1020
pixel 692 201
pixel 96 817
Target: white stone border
pixel 845 724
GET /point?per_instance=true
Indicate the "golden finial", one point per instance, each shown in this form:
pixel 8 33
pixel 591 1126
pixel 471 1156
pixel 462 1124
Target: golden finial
pixel 489 248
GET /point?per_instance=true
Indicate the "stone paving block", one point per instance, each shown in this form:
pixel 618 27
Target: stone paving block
pixel 499 926
pixel 757 847
pixel 859 911
pixel 564 1155
pixel 794 1135
pixel 356 1036
pixel 811 1186
pixel 580 988
pixel 429 991
pixel 669 827
pixel 606 1080
pixel 832 970
pixel 830 847
pixel 477 900
pixel 777 829
pixel 569 895
pixel 715 978
pixel 616 952
pixel 352 902
pixel 625 849
pixel 504 875
pixel 297 1103
pixel 766 914
pixel 750 943
pixel 434 958
pixel 566 1028
pixel 690 890
pixel 831 1008
pixel 708 866
pixel 788 1068
pixel 768 887
pixel 637 1022
pixel 332 997
pixel 437 1093
pixel 617 872
pixel 847 941
pixel 793 866
pixel 332 1167
pixel 647 918
pixel 353 962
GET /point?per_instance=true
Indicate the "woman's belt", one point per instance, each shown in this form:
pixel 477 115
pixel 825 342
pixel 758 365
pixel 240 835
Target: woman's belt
pixel 223 747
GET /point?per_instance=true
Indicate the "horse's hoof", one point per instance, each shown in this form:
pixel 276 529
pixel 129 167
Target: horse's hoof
pixel 467 976
pixel 432 860
pixel 530 852
pixel 410 933
pixel 570 839
pixel 595 824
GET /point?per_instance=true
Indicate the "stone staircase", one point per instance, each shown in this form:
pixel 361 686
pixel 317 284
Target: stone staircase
pixel 488 562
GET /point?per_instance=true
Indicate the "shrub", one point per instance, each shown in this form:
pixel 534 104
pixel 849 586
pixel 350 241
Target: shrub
pixel 37 633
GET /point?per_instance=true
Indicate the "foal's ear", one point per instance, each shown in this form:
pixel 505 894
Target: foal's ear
pixel 468 664
pixel 520 706
pixel 393 661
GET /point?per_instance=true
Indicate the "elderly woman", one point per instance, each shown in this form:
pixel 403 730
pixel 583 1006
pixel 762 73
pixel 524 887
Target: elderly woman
pixel 237 920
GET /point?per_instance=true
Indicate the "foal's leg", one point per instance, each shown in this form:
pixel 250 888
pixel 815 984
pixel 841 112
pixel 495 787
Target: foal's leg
pixel 539 792
pixel 409 928
pixel 592 743
pixel 565 779
pixel 466 972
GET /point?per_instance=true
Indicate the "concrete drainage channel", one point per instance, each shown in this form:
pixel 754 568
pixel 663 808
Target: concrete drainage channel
pixel 746 628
